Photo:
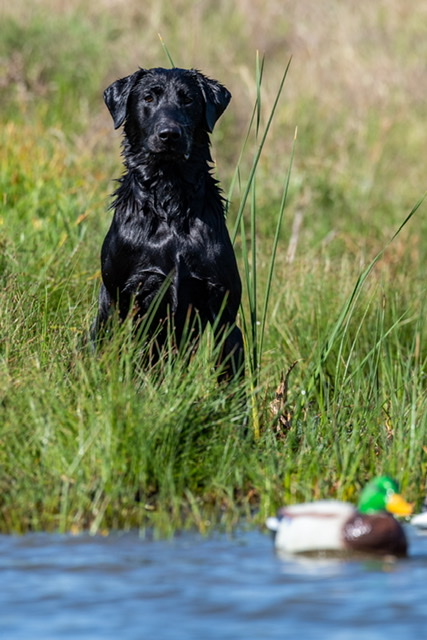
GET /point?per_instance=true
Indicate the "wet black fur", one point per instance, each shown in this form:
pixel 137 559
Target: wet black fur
pixel 168 232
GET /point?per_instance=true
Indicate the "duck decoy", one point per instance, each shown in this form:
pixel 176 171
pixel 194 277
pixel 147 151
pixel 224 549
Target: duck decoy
pixel 334 526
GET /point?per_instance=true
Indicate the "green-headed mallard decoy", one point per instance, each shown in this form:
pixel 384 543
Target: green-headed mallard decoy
pixel 334 526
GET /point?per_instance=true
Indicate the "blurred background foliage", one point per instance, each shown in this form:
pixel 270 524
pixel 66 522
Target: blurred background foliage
pixel 356 92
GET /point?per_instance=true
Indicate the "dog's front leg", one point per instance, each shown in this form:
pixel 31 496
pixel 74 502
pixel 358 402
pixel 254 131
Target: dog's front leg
pixel 105 308
pixel 230 351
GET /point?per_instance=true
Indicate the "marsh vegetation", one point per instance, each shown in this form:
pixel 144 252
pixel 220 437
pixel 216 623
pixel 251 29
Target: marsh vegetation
pixel 323 164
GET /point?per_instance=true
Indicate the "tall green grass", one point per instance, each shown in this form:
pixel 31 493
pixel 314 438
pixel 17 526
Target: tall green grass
pixel 98 442
pixel 254 320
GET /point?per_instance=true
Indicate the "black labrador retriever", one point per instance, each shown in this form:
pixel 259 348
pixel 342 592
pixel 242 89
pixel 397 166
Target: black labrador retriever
pixel 167 254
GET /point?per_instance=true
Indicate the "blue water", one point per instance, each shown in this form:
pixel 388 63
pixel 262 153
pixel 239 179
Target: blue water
pixel 123 587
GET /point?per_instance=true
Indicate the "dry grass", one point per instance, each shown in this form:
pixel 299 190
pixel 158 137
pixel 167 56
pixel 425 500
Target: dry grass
pixel 358 71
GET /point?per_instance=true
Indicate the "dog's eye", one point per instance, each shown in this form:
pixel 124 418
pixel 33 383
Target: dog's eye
pixel 148 97
pixel 186 99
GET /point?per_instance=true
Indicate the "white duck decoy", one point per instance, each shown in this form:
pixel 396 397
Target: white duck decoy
pixel 334 526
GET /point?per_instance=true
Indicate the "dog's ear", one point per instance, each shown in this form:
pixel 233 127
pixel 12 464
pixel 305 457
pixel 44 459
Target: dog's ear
pixel 116 97
pixel 216 98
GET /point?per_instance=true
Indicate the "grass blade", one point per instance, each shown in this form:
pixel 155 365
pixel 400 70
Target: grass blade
pixel 258 154
pixel 167 52
pixel 274 248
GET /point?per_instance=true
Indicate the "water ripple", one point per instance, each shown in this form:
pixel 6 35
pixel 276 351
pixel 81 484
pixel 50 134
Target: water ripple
pixel 122 586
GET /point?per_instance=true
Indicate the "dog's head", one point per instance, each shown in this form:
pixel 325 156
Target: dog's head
pixel 166 111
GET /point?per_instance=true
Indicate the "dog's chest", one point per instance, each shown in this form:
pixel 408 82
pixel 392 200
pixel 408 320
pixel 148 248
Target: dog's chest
pixel 183 244
pixel 189 245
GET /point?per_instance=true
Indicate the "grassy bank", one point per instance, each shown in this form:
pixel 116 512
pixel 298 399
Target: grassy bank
pixel 97 443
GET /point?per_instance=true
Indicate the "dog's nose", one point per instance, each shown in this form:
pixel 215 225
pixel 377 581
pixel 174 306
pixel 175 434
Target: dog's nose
pixel 170 133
